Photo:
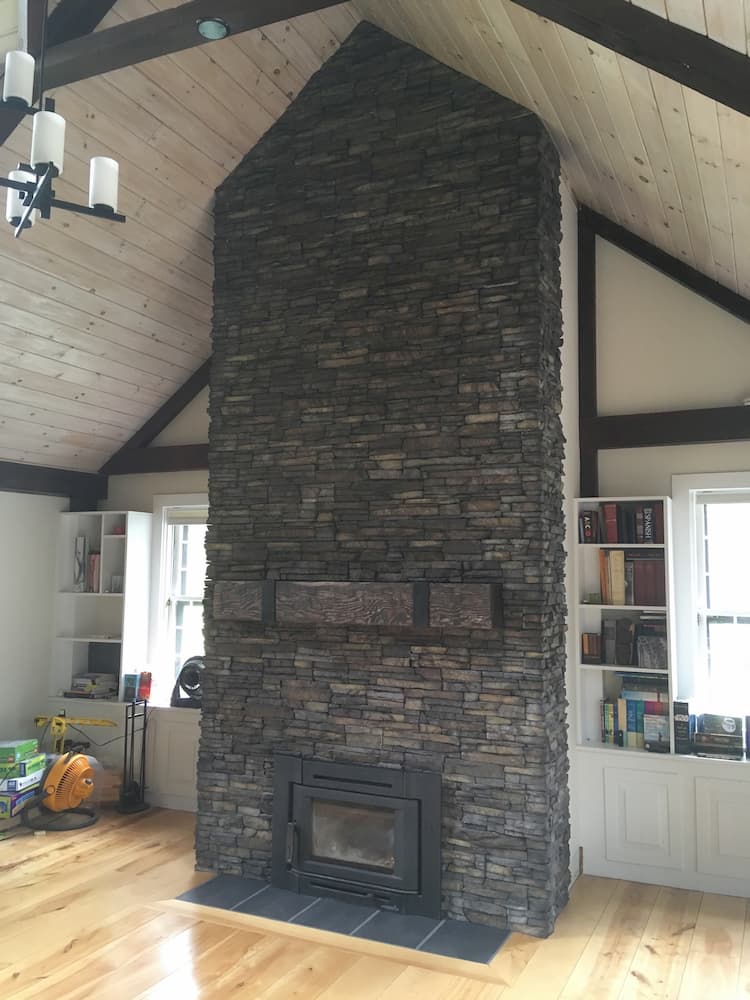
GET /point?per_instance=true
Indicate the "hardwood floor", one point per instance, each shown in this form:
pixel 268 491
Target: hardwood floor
pixel 93 915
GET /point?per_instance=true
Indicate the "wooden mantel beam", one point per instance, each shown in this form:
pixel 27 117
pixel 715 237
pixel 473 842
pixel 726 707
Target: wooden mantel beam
pixel 692 59
pixel 160 34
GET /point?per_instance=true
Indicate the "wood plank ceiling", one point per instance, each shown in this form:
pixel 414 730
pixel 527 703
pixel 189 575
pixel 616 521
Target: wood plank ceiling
pixel 100 323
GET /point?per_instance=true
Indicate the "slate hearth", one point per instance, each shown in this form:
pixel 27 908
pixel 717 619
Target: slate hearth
pixel 451 938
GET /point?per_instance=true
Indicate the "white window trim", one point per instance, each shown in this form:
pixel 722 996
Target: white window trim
pixel 684 488
pixel 163 503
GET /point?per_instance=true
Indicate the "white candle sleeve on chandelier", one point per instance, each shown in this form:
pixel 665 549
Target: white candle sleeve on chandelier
pixel 14 206
pixel 18 83
pixel 48 139
pixel 103 179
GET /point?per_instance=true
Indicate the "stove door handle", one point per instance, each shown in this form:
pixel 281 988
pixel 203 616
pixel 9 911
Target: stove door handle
pixel 291 843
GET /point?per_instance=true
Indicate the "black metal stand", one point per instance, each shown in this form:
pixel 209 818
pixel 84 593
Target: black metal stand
pixel 133 791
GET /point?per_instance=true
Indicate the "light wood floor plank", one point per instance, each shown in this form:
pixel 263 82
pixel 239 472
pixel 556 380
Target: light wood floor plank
pixel 100 908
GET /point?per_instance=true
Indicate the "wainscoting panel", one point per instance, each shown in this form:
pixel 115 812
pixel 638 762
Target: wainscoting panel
pixel 641 821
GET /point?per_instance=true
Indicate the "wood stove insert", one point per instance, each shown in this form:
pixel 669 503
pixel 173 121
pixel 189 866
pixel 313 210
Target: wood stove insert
pixel 368 835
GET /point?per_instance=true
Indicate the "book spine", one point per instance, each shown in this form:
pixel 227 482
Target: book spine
pixel 609 511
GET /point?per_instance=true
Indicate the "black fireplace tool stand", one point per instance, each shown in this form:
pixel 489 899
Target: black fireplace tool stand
pixel 133 790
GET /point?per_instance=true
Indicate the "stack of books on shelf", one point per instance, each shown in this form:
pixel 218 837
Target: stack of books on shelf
pixel 632 576
pixel 636 523
pixel 639 717
pixel 635 639
pixel 21 771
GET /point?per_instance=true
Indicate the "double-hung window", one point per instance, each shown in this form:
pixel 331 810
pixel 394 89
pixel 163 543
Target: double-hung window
pixel 177 612
pixel 712 564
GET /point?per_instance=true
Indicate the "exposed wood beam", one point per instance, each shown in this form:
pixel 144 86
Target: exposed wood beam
pixel 175 458
pixel 646 430
pixel 163 416
pixel 676 269
pixel 692 59
pixel 70 19
pixel 84 486
pixel 162 33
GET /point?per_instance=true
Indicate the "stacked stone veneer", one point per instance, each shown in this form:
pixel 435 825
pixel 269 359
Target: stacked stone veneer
pixel 384 407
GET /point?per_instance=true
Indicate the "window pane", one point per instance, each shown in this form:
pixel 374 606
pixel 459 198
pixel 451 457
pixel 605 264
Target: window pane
pixel 190 559
pixel 728 556
pixel 188 639
pixel 729 664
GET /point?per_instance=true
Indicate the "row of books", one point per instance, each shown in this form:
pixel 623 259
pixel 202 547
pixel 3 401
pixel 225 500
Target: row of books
pixel 638 639
pixel 632 576
pixel 86 567
pixel 623 523
pixel 636 723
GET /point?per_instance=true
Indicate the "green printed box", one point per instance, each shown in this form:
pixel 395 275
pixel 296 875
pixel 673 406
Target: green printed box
pixel 15 750
pixel 23 768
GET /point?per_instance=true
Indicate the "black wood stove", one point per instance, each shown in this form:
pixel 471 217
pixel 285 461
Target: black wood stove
pixel 368 835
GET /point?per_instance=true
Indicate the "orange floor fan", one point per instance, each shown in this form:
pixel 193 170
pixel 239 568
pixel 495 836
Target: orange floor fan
pixel 67 784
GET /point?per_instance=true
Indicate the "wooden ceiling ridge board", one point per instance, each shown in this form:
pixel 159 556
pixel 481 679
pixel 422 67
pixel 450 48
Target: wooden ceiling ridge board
pixel 688 56
pixel 637 430
pixel 136 456
pixel 162 33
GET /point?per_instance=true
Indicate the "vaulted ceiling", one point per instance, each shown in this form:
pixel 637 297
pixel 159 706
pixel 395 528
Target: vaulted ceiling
pixel 100 323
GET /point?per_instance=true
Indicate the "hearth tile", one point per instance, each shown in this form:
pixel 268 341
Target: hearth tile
pixel 472 942
pixel 397 928
pixel 223 891
pixel 333 915
pixel 275 904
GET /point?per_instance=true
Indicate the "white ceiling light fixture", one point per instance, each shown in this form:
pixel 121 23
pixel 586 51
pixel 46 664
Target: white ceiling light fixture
pixel 30 193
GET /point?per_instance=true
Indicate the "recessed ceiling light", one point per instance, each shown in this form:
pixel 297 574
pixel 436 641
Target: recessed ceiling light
pixel 212 28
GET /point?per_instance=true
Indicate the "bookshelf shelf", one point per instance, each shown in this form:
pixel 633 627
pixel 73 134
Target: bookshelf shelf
pixel 101 605
pixel 623 551
pixel 624 607
pixel 618 668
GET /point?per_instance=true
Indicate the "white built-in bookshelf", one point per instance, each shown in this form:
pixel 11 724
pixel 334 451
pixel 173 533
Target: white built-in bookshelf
pixel 101 612
pixel 623 623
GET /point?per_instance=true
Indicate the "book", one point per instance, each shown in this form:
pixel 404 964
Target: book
pixel 609 510
pixel 92 575
pixel 616 560
pixel 684 727
pixel 588 527
pixel 651 652
pixel 655 732
pixel 730 725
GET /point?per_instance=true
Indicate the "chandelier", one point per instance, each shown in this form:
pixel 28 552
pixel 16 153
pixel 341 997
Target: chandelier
pixel 30 192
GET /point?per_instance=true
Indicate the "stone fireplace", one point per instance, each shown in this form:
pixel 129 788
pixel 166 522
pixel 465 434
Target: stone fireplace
pixel 386 528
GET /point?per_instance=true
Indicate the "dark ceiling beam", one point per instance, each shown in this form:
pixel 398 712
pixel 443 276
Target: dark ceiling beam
pixel 648 430
pixel 692 59
pixel 70 19
pixel 172 458
pixel 163 416
pixel 84 487
pixel 679 271
pixel 159 34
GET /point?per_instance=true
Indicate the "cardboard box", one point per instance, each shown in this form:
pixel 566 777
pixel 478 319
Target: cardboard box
pixel 15 750
pixel 19 784
pixel 24 767
pixel 11 805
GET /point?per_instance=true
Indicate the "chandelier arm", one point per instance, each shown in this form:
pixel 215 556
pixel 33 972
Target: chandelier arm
pixel 100 213
pixel 43 189
pixel 27 187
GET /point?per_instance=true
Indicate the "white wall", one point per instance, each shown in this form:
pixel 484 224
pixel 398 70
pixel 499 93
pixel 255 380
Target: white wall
pixel 661 347
pixel 138 492
pixel 569 417
pixel 188 427
pixel 27 581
